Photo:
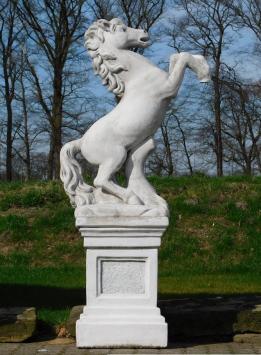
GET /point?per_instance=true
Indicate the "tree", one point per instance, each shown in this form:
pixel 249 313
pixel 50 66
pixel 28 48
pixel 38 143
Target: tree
pixel 175 140
pixel 9 35
pixel 27 124
pixel 242 124
pixel 168 147
pixel 188 154
pixel 135 13
pixel 162 161
pixel 23 127
pixel 55 27
pixel 204 26
pixel 248 13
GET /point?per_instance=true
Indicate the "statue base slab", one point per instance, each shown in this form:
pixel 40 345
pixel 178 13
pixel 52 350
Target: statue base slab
pixel 132 328
pixel 122 271
pixel 120 210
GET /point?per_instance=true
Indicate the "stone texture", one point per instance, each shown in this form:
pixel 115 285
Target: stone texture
pixel 62 341
pixel 243 348
pixel 32 349
pixel 8 348
pixel 248 338
pixel 114 274
pixel 249 320
pixel 73 317
pixel 211 348
pixel 17 324
pixel 122 266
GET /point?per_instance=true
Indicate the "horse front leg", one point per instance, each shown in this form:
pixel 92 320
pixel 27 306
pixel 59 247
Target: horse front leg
pixel 178 64
pixel 137 181
pixel 105 178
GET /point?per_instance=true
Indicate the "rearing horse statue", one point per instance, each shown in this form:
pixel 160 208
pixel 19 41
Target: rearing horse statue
pixel 124 135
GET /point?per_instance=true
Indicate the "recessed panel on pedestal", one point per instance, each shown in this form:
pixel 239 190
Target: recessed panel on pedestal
pixel 121 276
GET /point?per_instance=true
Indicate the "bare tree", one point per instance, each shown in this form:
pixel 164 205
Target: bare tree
pixel 9 33
pixel 248 13
pixel 175 141
pixel 26 125
pixel 174 131
pixel 135 13
pixel 168 146
pixel 242 124
pixel 103 9
pixel 55 28
pixel 204 25
pixel 23 129
pixel 188 154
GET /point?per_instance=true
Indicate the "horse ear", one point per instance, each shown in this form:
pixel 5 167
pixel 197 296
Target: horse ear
pixel 114 22
pixel 105 24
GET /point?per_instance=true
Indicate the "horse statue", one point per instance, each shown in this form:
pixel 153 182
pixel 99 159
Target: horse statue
pixel 124 136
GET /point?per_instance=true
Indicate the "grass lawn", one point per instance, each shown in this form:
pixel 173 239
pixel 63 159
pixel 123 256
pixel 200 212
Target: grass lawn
pixel 212 245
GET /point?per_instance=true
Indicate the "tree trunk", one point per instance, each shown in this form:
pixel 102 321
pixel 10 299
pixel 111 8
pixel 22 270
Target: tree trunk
pixel 170 167
pixel 9 126
pixel 185 146
pixel 56 123
pixel 9 143
pixel 27 159
pixel 50 157
pixel 27 151
pixel 248 168
pixel 217 112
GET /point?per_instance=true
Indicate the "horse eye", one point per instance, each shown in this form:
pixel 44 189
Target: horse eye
pixel 122 29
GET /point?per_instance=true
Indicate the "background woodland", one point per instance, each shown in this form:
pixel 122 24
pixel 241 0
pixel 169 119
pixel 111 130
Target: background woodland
pixel 48 94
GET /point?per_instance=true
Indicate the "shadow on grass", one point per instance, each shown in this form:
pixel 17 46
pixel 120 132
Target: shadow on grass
pixel 189 317
pixel 40 296
pixel 210 317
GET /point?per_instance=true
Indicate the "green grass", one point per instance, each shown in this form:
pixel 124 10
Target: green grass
pixel 32 194
pixel 15 225
pixel 212 245
pixel 191 284
pixel 215 225
pixel 54 317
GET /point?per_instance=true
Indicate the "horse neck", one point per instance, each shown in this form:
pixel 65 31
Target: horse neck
pixel 133 62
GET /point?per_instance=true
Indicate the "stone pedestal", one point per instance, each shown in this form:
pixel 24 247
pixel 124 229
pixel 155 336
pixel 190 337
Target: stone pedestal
pixel 122 271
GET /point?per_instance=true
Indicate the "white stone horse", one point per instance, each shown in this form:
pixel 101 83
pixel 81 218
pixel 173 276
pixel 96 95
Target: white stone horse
pixel 124 135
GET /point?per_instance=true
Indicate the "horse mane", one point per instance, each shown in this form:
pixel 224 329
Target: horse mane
pixel 104 61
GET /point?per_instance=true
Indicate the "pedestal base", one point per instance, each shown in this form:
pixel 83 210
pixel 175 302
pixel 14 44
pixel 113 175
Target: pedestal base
pixel 122 330
pixel 122 268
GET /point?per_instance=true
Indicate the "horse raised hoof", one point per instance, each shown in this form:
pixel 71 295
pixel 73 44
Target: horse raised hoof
pixel 201 67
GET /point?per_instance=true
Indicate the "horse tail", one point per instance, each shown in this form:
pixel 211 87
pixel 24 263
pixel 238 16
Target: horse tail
pixel 71 175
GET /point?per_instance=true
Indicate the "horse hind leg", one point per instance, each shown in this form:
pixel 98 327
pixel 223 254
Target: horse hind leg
pixel 104 178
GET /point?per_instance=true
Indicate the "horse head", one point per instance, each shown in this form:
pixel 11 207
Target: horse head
pixel 102 40
pixel 123 37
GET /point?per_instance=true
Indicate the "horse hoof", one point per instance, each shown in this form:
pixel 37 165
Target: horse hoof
pixel 205 80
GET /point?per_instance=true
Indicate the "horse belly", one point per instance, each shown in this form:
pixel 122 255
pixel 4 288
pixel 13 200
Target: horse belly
pixel 141 117
pixel 98 141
